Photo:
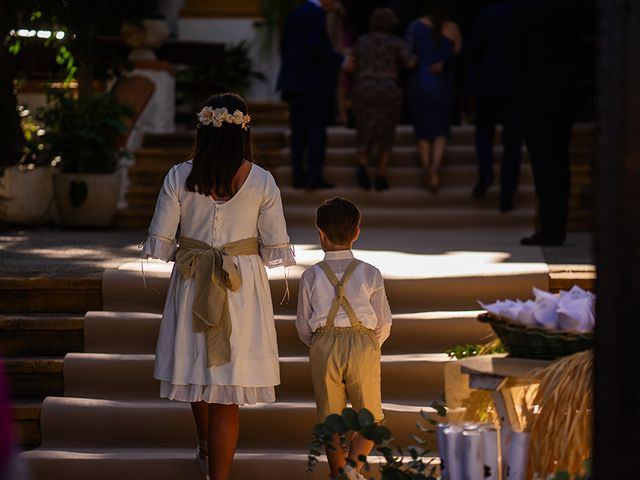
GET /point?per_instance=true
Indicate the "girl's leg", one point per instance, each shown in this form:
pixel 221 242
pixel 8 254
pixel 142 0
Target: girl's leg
pixel 224 425
pixel 201 415
pixel 336 456
pixel 359 446
pixel 424 149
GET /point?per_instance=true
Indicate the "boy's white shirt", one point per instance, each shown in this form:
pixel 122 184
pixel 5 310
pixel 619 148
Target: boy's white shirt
pixel 364 290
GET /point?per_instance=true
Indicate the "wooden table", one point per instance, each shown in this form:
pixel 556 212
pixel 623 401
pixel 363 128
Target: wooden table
pixel 492 372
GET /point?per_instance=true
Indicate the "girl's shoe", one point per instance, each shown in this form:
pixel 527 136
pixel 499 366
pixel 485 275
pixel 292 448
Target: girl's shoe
pixel 363 177
pixel 203 461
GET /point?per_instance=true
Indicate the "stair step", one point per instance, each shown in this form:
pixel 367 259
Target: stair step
pixel 50 295
pixel 422 332
pixel 26 422
pixel 401 218
pixel 76 422
pixel 414 283
pixel 34 377
pixel 476 216
pixel 176 464
pixel 408 176
pixel 124 377
pixel 400 156
pixel 41 334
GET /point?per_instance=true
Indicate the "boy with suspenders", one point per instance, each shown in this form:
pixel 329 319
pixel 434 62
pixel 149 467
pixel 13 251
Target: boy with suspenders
pixel 344 317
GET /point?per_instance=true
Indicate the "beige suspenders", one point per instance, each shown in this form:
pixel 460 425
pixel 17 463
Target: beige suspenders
pixel 340 300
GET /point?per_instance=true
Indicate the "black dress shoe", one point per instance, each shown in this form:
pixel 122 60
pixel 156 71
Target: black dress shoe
pixel 319 185
pixel 506 203
pixel 542 240
pixel 480 190
pixel 381 183
pixel 362 175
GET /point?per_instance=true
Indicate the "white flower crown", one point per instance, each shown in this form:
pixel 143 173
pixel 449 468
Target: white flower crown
pixel 218 116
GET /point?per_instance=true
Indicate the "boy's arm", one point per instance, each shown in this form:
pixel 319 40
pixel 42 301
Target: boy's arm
pixel 380 305
pixel 304 312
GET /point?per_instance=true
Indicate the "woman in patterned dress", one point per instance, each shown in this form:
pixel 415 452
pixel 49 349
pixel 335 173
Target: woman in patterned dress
pixel 376 96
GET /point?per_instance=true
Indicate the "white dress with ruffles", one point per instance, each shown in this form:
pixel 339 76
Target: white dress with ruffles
pixel 181 355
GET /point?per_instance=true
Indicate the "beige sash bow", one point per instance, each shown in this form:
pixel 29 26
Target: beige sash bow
pixel 215 273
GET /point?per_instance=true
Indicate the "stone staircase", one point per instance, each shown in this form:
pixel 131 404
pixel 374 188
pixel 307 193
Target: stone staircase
pixel 406 203
pixel 110 424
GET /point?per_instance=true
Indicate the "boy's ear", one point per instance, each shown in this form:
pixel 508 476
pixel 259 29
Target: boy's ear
pixel 321 234
pixel 357 234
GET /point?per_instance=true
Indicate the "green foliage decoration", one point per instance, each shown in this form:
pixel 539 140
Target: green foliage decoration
pixel 84 132
pixel 395 466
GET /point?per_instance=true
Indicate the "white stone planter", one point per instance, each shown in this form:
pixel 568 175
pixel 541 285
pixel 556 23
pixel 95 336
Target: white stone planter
pixel 26 196
pixel 98 208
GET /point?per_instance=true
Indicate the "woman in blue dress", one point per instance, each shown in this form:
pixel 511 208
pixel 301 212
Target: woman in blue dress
pixel 435 41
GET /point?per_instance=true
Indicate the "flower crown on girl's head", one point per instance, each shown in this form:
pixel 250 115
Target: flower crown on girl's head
pixel 218 116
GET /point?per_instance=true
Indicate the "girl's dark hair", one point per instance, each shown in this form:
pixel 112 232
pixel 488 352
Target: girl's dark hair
pixel 438 11
pixel 219 151
pixel 339 219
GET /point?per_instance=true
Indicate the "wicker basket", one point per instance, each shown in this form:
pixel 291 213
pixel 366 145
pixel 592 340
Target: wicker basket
pixel 533 342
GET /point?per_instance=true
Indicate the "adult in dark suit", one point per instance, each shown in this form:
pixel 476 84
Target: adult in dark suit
pixel 491 76
pixel 308 77
pixel 546 40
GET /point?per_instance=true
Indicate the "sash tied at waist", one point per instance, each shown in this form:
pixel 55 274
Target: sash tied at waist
pixel 215 273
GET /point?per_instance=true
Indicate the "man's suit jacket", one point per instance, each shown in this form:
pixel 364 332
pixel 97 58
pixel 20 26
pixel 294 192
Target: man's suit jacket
pixel 309 62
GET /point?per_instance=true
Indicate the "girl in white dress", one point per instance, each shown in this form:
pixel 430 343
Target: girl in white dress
pixel 217 344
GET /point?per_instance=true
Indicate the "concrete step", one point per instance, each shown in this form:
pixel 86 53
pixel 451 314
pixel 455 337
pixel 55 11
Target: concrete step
pixel 34 377
pixel 26 422
pixel 126 377
pixel 401 218
pixel 416 198
pixel 41 334
pixel 473 216
pixel 407 177
pixel 421 332
pixel 176 464
pixel 400 156
pixel 50 295
pixel 414 283
pixel 78 422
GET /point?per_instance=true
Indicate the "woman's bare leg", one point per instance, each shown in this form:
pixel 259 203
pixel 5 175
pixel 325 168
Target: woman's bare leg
pixel 383 162
pixel 439 148
pixel 424 150
pixel 224 425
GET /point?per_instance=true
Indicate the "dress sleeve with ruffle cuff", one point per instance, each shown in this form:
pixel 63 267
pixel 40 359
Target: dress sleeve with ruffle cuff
pixel 158 247
pixel 280 255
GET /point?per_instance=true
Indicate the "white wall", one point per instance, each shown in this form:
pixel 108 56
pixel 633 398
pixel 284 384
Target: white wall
pixel 232 31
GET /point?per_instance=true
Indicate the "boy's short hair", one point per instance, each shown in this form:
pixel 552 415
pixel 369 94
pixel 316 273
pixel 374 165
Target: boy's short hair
pixel 339 219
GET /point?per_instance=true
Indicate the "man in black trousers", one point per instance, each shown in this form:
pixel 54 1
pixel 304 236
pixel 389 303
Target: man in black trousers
pixel 491 75
pixel 308 78
pixel 546 49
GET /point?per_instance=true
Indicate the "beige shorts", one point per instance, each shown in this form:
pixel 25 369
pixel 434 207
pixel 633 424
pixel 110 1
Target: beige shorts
pixel 345 365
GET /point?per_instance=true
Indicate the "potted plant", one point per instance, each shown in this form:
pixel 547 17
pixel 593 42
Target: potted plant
pixel 83 135
pixel 26 191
